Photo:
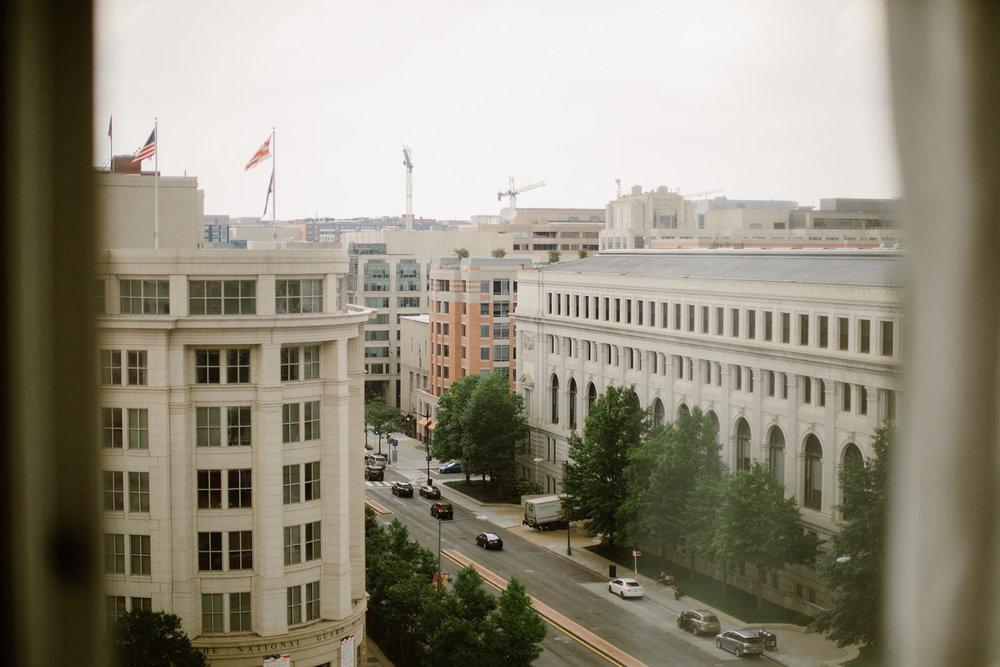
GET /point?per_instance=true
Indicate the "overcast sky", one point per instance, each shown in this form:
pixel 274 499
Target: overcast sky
pixel 770 99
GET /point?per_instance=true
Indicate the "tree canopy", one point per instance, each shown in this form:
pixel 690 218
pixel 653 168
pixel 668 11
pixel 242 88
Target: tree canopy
pixel 461 253
pixel 498 252
pixel 152 639
pixel 595 477
pixel 382 417
pixel 553 256
pixel 853 566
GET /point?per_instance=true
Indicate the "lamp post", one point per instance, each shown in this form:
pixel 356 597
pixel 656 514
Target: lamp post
pixel 569 548
pixel 427 416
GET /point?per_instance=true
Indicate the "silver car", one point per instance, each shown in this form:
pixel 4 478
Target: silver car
pixel 740 642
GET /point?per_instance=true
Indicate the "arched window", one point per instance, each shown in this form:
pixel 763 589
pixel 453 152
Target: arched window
pixel 852 457
pixel 591 396
pixel 555 399
pixel 715 422
pixel 742 444
pixel 572 403
pixel 682 409
pixel 776 453
pixel 658 413
pixel 813 473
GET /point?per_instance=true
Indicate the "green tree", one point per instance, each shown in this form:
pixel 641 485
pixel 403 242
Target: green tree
pixel 519 628
pixel 499 252
pixel 756 524
pixel 553 256
pixel 461 253
pixel 481 423
pixel 382 418
pixel 855 581
pixel 153 639
pixel 581 253
pixel 595 478
pixel 662 477
pixel 459 624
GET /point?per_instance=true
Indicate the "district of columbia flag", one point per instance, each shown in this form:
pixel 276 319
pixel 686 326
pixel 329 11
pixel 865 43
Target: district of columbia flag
pixel 263 153
pixel 148 150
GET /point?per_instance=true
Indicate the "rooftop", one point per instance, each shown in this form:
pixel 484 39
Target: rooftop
pixel 878 268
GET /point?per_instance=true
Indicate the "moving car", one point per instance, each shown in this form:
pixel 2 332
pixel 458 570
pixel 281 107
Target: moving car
pixel 626 588
pixel 374 473
pixel 402 489
pixel 699 622
pixel 451 466
pixel 740 642
pixel 428 491
pixel 489 541
pixel 377 460
pixel 444 511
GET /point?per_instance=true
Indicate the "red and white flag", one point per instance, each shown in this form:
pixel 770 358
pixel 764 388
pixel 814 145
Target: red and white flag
pixel 263 153
pixel 148 150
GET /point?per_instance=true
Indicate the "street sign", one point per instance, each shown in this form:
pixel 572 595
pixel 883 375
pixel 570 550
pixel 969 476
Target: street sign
pixel 637 553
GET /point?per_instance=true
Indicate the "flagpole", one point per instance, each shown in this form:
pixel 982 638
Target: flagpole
pixel 274 189
pixel 156 185
pixel 111 141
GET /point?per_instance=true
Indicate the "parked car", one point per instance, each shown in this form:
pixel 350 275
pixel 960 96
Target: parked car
pixel 699 622
pixel 626 588
pixel 428 491
pixel 489 541
pixel 374 473
pixel 402 489
pixel 376 460
pixel 451 466
pixel 442 510
pixel 740 642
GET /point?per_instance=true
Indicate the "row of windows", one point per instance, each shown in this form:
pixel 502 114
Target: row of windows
pixel 303 543
pixel 139 554
pixel 115 422
pixel 136 367
pixel 497 286
pixel 218 297
pixel 239 489
pixel 295 428
pixel 497 309
pixel 210 552
pixel 300 483
pixel 114 491
pixel 824 331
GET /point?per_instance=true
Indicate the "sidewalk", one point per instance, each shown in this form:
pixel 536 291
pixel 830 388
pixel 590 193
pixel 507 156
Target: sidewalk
pixel 796 646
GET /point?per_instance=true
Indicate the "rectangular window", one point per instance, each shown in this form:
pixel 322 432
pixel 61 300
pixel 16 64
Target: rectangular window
pixel 290 484
pixel 138 428
pixel 803 329
pixel 310 423
pixel 209 551
pixel 111 428
pixel 887 339
pixel 211 612
pixel 862 400
pixel 768 325
pixel 142 604
pixel 207 367
pixel 690 321
pixel 704 319
pixel 114 553
pixel 786 328
pixel 484 354
pixel 293 545
pixel 845 397
pixel 240 490
pixel 114 608
pixel 239 612
pixel 806 390
pixel 314 540
pixel 138 492
pixel 310 362
pixel 823 323
pixel 820 393
pixel 298 296
pixel 238 366
pixel 843 330
pixel 137 367
pixel 241 550
pixel 114 491
pixel 139 554
pixel 720 321
pixel 293 604
pixel 770 382
pixel 290 422
pixel 217 297
pixel 208 430
pixel 209 489
pixel 145 297
pixel 312 601
pixel 677 316
pixel 501 309
pixel 111 367
pixel 501 353
pixel 310 473
pixel 738 377
pixel 752 324
pixel 865 329
pixel 238 426
pixel 734 322
pixel 289 364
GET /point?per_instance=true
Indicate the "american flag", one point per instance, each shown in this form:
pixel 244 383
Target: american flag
pixel 262 153
pixel 148 150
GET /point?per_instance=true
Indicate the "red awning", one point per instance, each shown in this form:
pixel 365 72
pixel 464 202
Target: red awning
pixel 433 424
pixel 423 422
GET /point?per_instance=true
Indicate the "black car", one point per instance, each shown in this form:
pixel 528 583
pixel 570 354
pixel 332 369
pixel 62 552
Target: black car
pixel 428 491
pixel 442 511
pixel 402 489
pixel 374 473
pixel 489 541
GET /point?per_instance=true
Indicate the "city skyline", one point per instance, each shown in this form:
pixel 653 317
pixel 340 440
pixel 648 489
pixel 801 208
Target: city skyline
pixel 762 101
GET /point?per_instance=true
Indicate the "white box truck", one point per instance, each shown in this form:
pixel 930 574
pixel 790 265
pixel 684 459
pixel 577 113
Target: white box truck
pixel 545 513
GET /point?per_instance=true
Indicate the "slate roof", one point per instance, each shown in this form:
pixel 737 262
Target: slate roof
pixel 874 268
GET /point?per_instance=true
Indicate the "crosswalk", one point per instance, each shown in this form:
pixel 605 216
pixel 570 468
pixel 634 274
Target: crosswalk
pixel 415 477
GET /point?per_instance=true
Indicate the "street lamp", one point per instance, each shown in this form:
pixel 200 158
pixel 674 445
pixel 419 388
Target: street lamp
pixel 569 549
pixel 427 416
pixel 481 517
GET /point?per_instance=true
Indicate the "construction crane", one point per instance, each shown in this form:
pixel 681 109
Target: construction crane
pixel 514 192
pixel 408 163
